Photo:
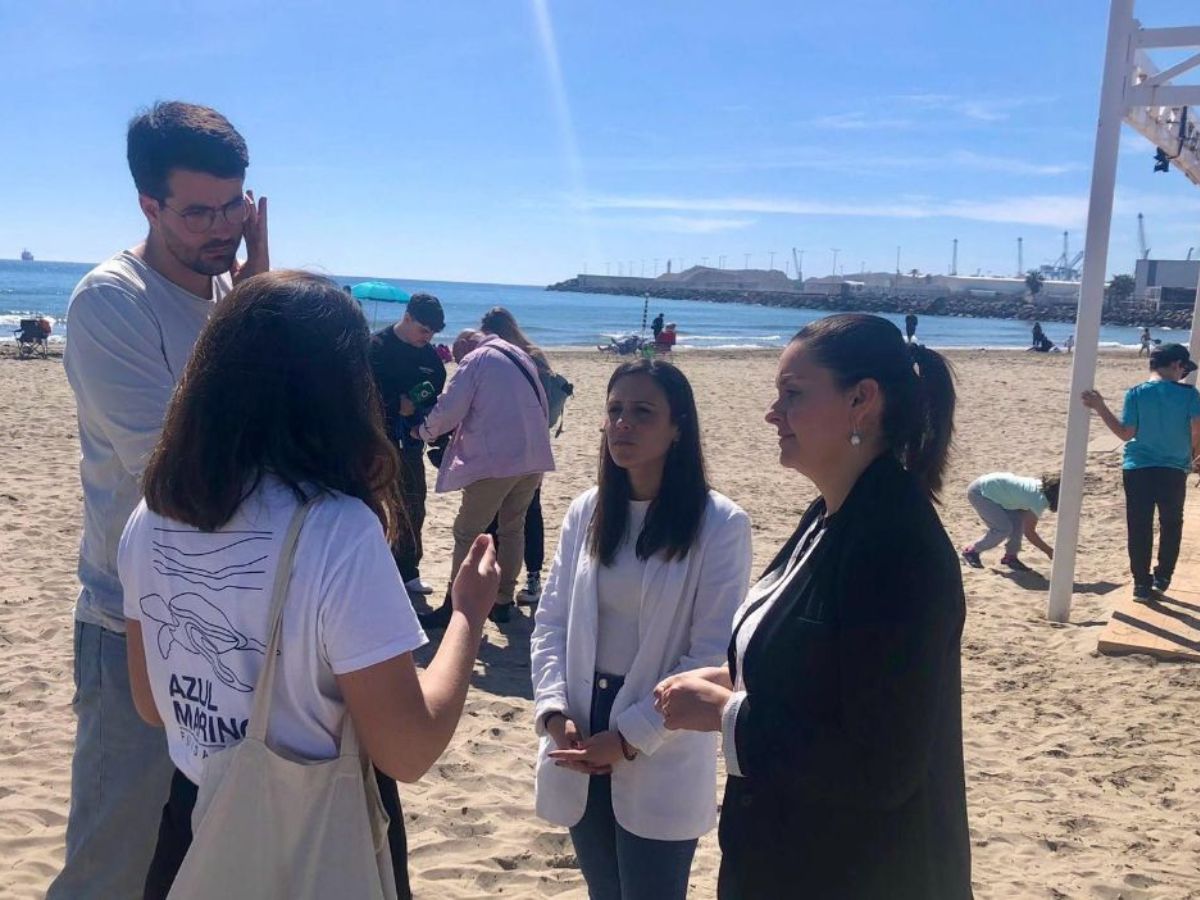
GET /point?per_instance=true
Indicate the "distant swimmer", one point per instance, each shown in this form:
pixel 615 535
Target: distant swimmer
pixel 910 327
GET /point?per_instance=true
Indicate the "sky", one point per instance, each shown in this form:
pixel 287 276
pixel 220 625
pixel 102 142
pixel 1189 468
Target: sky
pixel 523 141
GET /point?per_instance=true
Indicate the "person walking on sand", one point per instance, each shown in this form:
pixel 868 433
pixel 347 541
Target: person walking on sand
pixel 840 709
pixel 1160 424
pixel 286 354
pixel 650 567
pixel 134 321
pixel 1010 505
pixel 1145 343
pixel 497 409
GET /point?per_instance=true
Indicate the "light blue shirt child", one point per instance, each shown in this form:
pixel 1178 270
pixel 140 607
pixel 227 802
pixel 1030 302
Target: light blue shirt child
pixel 1014 492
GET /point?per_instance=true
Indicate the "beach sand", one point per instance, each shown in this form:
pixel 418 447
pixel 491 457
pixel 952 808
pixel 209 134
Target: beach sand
pixel 1081 769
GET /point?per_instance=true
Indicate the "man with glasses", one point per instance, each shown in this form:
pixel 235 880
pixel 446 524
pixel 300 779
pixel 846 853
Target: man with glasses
pixel 133 322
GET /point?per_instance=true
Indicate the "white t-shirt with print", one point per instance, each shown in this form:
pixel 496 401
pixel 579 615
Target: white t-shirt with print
pixel 202 600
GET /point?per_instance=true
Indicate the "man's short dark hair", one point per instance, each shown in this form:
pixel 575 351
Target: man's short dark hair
pixel 175 135
pixel 427 309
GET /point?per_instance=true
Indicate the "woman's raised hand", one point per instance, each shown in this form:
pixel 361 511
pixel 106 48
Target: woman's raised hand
pixel 478 579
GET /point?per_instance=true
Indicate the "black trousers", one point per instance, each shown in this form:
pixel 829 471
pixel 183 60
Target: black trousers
pixel 175 836
pixel 1147 490
pixel 535 534
pixel 408 550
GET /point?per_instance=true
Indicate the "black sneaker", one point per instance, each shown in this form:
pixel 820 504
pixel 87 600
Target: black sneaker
pixel 437 619
pixel 972 558
pixel 1161 583
pixel 501 612
pixel 1142 592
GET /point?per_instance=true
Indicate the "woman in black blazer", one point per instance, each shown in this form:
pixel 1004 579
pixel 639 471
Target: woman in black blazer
pixel 840 707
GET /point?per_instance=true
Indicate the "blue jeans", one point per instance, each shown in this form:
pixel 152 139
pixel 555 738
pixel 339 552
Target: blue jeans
pixel 617 864
pixel 120 777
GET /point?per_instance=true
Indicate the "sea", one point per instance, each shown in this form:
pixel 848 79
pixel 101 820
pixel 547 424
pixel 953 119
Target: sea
pixel 571 320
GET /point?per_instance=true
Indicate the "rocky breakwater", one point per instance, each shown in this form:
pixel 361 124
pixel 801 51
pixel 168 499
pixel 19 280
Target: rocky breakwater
pixel 901 303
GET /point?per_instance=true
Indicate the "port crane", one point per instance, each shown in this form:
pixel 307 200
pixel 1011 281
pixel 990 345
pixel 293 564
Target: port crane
pixel 1066 267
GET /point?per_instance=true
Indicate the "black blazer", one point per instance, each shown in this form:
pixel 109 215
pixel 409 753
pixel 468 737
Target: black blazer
pixel 850 737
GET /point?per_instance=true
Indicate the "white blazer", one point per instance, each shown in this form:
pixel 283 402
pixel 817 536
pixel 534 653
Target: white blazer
pixel 669 792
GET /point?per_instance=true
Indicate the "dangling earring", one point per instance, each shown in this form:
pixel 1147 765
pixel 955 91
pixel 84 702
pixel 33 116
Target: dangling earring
pixel 855 438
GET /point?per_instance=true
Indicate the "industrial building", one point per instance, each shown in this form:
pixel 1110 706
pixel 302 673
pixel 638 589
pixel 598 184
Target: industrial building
pixel 1166 283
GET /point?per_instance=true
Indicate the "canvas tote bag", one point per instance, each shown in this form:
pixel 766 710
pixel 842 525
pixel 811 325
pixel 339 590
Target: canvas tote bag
pixel 269 826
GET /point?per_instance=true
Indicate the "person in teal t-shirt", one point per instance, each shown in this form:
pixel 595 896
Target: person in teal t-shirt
pixel 1010 506
pixel 1160 424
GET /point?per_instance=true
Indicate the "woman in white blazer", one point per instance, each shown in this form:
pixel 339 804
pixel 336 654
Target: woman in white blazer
pixel 650 567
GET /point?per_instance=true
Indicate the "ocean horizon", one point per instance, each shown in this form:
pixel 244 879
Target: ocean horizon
pixel 559 320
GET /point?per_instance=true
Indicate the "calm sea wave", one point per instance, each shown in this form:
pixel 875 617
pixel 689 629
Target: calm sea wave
pixel 568 319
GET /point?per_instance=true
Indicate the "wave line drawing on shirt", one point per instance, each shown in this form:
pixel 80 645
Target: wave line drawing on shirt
pixel 190 567
pixel 200 628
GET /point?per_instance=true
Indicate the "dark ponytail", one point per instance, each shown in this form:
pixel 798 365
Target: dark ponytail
pixel 928 447
pixel 917 385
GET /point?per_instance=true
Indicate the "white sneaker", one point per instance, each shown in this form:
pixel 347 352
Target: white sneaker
pixel 533 588
pixel 417 586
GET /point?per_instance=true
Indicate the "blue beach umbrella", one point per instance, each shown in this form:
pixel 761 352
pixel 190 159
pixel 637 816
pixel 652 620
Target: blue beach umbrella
pixel 378 292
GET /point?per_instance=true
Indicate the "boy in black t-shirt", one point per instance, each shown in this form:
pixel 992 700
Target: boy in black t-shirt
pixel 403 357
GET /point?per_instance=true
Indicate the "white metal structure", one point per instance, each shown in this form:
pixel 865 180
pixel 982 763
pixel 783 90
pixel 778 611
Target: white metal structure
pixel 1132 90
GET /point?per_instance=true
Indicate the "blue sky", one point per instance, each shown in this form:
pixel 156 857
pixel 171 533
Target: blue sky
pixel 518 141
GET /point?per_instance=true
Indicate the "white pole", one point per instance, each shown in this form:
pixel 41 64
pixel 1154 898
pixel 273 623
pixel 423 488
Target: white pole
pixel 1118 60
pixel 1194 340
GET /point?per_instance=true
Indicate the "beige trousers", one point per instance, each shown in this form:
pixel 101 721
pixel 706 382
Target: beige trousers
pixel 504 499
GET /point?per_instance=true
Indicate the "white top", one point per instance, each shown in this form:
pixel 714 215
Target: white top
pixel 765 593
pixel 668 792
pixel 620 598
pixel 203 599
pixel 131 334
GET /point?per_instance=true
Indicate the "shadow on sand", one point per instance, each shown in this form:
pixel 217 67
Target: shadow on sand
pixel 1036 581
pixel 505 665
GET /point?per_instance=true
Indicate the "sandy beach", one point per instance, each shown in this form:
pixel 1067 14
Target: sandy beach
pixel 1081 769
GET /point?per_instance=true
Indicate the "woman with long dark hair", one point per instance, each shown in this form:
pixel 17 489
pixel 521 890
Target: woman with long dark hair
pixel 276 417
pixel 839 706
pixel 650 566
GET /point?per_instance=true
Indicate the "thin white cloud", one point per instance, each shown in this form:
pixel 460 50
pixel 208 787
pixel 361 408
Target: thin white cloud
pixel 987 110
pixel 1048 210
pixel 671 224
pixel 983 162
pixel 821 159
pixel 1051 210
pixel 857 121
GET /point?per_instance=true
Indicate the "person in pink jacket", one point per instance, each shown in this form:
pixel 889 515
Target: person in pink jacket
pixel 496 407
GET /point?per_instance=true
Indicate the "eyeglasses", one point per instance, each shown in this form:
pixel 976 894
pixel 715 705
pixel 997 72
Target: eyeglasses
pixel 199 219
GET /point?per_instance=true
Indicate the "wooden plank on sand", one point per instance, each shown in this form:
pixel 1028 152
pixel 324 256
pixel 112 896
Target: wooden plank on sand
pixel 1167 627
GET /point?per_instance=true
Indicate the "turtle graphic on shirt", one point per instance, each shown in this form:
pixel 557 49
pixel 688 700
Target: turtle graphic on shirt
pixel 200 628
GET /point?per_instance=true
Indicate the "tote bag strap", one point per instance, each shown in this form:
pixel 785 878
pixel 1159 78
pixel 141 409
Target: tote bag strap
pixel 261 711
